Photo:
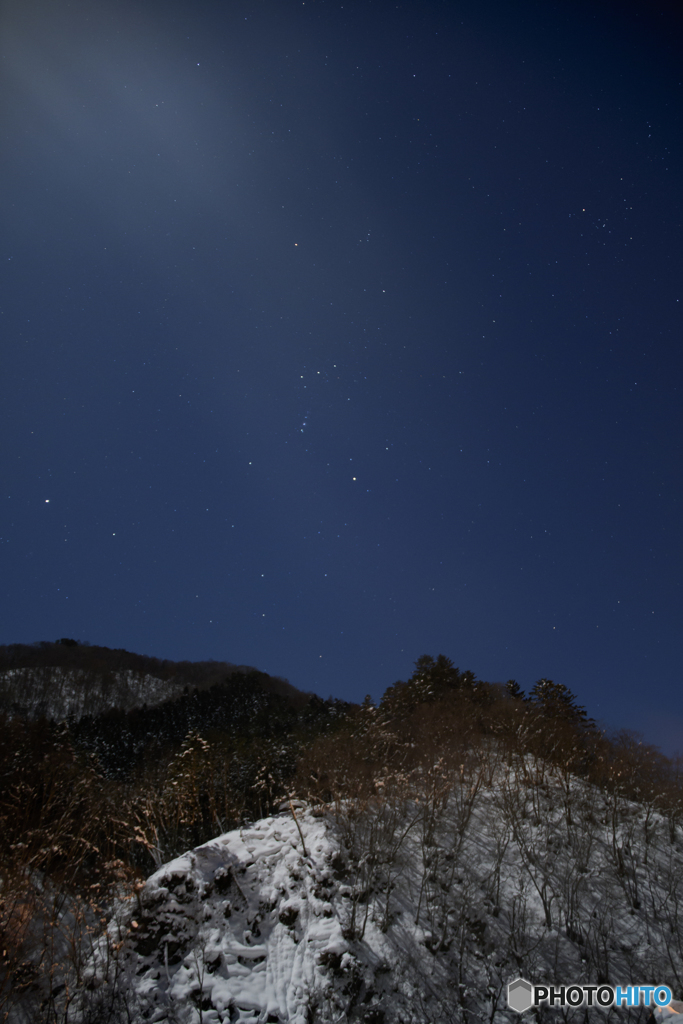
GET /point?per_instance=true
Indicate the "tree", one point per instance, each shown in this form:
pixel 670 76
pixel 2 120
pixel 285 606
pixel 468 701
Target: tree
pixel 514 689
pixel 555 700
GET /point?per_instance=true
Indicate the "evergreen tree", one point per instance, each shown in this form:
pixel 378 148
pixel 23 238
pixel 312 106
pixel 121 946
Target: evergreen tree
pixel 514 689
pixel 555 700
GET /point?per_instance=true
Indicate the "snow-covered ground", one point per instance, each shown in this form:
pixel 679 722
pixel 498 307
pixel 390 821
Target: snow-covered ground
pixel 418 906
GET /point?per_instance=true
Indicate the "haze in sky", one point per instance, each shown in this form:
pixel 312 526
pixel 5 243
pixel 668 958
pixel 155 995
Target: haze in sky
pixel 338 333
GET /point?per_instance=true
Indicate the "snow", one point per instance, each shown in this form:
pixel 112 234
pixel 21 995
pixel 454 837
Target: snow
pixel 241 924
pixel 416 907
pixel 74 693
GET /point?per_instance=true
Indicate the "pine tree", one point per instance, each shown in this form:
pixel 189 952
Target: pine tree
pixel 557 701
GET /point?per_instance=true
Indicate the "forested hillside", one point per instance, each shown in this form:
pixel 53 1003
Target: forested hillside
pixel 431 848
pixel 68 679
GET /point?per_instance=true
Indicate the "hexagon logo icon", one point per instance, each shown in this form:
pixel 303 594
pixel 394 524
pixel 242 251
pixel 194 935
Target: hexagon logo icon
pixel 519 995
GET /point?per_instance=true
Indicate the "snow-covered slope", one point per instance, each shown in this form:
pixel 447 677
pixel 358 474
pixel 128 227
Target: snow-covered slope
pixel 59 693
pixel 419 906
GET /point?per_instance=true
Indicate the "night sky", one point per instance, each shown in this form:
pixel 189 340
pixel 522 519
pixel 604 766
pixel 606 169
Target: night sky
pixel 334 334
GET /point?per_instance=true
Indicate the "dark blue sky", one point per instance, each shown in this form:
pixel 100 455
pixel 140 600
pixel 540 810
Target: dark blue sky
pixel 334 334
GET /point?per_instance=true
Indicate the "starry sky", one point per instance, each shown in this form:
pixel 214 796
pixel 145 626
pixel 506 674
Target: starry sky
pixel 334 334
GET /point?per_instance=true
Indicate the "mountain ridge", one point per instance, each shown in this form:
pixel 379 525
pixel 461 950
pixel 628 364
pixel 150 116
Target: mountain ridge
pixel 68 679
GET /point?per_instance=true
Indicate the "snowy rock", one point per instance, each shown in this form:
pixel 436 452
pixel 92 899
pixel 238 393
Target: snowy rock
pixel 234 930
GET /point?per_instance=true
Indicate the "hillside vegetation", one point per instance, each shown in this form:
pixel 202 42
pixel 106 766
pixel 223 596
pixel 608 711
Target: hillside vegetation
pixel 505 826
pixel 68 679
